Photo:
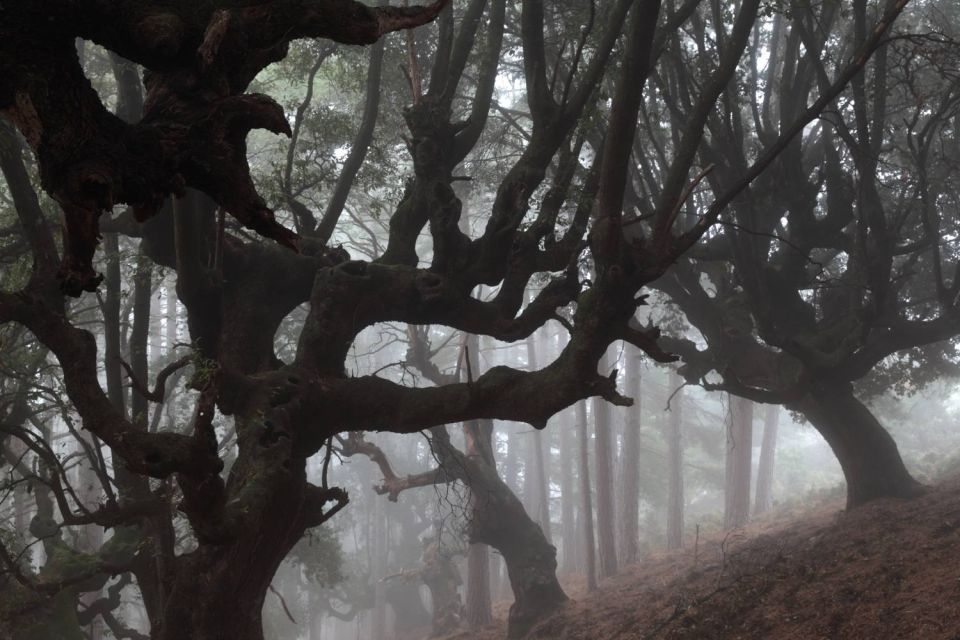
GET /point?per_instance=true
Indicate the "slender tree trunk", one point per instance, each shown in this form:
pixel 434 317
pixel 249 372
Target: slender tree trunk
pixel 768 450
pixel 541 502
pixel 511 463
pixel 139 336
pixel 171 337
pixel 869 457
pixel 568 530
pixel 675 500
pixel 171 318
pixel 543 483
pixel 379 623
pixel 739 463
pixel 629 511
pixel 586 501
pixel 606 544
pixel 111 323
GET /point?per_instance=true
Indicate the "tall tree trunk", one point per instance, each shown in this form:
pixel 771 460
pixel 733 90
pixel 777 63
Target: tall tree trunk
pixel 541 502
pixel 479 609
pixel 629 512
pixel 511 462
pixel 606 544
pixel 869 457
pixel 139 336
pixel 111 323
pixel 379 623
pixel 768 450
pixel 541 458
pixel 568 525
pixel 171 337
pixel 586 500
pixel 675 501
pixel 739 462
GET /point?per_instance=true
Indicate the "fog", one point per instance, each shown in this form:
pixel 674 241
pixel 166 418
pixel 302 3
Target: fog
pixel 325 320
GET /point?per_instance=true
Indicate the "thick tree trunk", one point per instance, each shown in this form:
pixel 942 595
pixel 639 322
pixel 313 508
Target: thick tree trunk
pixel 586 499
pixel 768 450
pixel 501 522
pixel 739 463
pixel 869 457
pixel 675 501
pixel 606 544
pixel 629 512
pixel 219 589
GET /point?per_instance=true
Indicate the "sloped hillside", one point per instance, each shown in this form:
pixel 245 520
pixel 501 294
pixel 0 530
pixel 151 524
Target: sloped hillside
pixel 888 571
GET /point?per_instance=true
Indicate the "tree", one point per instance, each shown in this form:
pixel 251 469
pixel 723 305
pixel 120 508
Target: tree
pixel 739 464
pixel 603 461
pixel 586 499
pixel 674 437
pixel 232 481
pixel 496 517
pixel 822 272
pixel 629 476
pixel 768 451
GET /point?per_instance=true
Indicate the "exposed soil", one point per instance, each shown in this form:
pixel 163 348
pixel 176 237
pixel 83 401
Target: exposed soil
pixel 886 571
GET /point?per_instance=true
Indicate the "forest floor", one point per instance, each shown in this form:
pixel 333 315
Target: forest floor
pixel 886 571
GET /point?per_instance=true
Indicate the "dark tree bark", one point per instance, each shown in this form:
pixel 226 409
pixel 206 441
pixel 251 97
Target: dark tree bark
pixel 199 60
pixel 674 437
pixel 869 457
pixel 768 451
pixel 111 324
pixel 235 576
pixel 738 463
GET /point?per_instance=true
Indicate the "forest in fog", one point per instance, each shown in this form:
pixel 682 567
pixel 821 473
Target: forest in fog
pixel 479 319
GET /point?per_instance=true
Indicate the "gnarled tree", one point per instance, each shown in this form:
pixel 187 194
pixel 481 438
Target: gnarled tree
pixel 183 165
